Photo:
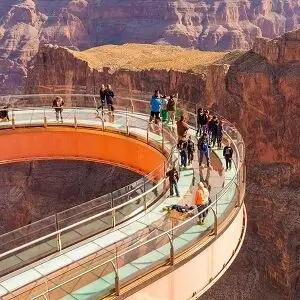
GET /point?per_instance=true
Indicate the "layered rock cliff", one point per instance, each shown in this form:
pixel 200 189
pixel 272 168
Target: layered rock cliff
pixel 31 191
pixel 80 24
pixel 257 90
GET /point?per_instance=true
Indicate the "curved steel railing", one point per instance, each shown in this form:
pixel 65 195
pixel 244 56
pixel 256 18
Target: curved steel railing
pixel 109 205
pixel 234 189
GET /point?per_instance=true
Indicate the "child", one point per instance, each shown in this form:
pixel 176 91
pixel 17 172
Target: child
pixel 190 150
pixel 164 109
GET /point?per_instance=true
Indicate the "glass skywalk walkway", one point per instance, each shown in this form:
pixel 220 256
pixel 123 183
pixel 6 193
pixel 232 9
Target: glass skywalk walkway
pixel 104 264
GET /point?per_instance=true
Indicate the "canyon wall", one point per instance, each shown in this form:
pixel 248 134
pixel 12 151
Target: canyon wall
pixel 81 24
pixel 259 92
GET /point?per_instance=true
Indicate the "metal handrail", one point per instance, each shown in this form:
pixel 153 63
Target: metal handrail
pixel 58 232
pixel 218 197
pixel 168 232
pixel 82 221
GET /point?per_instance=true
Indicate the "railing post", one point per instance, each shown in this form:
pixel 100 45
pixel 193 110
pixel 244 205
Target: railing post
pixel 13 124
pixel 102 120
pixel 132 106
pixel 162 139
pixel 148 133
pixel 172 254
pixel 113 218
pixel 45 118
pixel 75 118
pixel 127 126
pixel 59 245
pixel 215 222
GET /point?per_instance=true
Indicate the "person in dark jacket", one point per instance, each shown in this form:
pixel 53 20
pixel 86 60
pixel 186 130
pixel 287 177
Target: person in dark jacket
pixel 214 131
pixel 210 126
pixel 204 121
pixel 203 149
pixel 4 113
pixel 58 104
pixel 200 113
pixel 179 208
pixel 171 107
pixel 173 179
pixel 191 150
pixel 109 97
pixel 184 153
pixel 220 134
pixel 102 93
pixel 227 153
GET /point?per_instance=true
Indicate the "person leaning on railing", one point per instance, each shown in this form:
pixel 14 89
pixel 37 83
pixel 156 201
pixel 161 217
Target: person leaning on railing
pixel 171 107
pixel 4 114
pixel 155 107
pixel 58 104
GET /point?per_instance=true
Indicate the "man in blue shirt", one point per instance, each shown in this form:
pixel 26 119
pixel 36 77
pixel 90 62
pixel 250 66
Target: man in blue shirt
pixel 155 105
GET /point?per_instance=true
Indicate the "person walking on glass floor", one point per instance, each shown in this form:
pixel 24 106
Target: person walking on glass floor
pixel 173 179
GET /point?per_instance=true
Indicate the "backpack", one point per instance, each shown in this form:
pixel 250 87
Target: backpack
pixel 204 146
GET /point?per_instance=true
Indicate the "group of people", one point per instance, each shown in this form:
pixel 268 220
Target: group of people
pixel 162 108
pixel 106 97
pixel 201 197
pixel 210 125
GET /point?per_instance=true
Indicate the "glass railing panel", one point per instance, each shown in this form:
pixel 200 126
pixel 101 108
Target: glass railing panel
pixel 84 211
pixel 87 229
pixel 145 257
pixel 27 234
pixel 28 255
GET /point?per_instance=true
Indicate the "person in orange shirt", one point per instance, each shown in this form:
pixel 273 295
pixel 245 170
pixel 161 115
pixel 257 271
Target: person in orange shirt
pixel 200 202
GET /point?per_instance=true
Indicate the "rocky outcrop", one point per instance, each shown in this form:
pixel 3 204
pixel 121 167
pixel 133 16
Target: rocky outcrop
pixel 259 92
pixel 80 24
pixel 31 191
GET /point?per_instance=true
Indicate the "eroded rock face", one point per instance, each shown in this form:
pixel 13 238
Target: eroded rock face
pixel 31 191
pixel 259 92
pixel 81 24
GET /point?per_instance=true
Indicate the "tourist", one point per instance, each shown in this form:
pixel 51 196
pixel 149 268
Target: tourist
pixel 102 93
pixel 171 106
pixel 191 150
pixel 214 130
pixel 173 179
pixel 58 104
pixel 184 153
pixel 210 124
pixel 204 121
pixel 182 130
pixel 179 208
pixel 203 149
pixel 200 202
pixel 220 134
pixel 155 106
pixel 227 153
pixel 199 121
pixel 109 97
pixel 4 113
pixel 164 109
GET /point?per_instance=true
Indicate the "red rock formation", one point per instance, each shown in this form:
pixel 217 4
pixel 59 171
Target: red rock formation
pixel 259 92
pixel 80 24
